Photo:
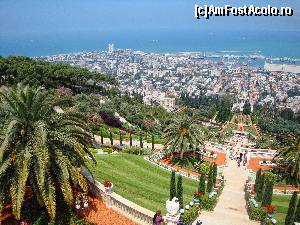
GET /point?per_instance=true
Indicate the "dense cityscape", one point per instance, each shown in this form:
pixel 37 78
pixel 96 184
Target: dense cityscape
pixel 162 78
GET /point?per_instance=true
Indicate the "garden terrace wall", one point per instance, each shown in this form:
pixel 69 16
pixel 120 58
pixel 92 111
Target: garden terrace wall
pixel 125 207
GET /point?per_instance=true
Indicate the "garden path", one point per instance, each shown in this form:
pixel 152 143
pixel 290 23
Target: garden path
pixel 231 207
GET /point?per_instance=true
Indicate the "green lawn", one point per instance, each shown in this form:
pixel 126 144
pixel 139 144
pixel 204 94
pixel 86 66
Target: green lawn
pixel 139 181
pixel 282 204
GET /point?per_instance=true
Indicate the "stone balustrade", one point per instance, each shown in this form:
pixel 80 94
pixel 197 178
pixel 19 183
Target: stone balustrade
pixel 125 207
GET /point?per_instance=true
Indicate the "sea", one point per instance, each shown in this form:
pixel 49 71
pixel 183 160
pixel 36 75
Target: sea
pixel 267 43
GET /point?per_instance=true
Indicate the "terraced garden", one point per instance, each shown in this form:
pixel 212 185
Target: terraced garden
pixel 139 181
pixel 282 204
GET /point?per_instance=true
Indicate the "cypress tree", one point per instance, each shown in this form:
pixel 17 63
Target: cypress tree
pixel 297 213
pixel 120 137
pixel 210 182
pixel 201 187
pixel 130 140
pixel 257 180
pixel 101 135
pixel 260 188
pixel 180 191
pixel 172 186
pixel 111 138
pixel 215 173
pixel 152 139
pixel 141 141
pixel 290 216
pixel 268 194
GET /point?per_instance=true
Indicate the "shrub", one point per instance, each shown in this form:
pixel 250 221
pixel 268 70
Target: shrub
pixel 202 185
pixel 210 183
pixel 257 180
pixel 172 186
pixel 135 150
pixel 257 214
pixel 180 191
pixel 108 150
pixel 208 203
pixel 190 215
pixel 92 150
pixel 290 216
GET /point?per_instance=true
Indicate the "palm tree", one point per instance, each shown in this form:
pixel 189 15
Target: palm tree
pixel 291 157
pixel 181 134
pixel 41 148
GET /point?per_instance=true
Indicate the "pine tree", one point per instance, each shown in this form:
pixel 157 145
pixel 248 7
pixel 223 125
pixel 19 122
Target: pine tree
pixel 215 173
pixel 268 194
pixel 141 142
pixel 257 180
pixel 210 183
pixel 130 140
pixel 121 138
pixel 260 188
pixel 172 186
pixel 202 184
pixel 152 139
pixel 297 213
pixel 290 216
pixel 111 138
pixel 180 191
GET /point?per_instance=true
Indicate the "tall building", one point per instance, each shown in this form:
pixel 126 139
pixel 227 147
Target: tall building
pixel 110 47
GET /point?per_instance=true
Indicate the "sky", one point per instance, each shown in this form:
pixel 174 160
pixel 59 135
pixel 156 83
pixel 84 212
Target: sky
pixel 20 17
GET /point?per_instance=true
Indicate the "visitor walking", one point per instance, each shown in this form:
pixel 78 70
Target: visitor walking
pixel 157 219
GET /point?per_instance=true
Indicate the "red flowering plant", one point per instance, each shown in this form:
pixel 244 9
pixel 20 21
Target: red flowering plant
pixel 197 194
pixel 270 209
pixel 108 183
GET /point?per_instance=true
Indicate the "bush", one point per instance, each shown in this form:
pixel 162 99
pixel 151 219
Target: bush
pixel 190 215
pixel 208 203
pixel 257 214
pixel 135 150
pixel 93 150
pixel 108 150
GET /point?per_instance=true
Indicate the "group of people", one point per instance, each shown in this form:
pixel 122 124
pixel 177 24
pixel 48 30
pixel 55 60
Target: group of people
pixel 242 158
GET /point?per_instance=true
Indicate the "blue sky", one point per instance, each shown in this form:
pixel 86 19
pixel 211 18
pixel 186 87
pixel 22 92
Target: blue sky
pixel 44 16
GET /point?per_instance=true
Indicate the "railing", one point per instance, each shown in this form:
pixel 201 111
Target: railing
pixel 127 208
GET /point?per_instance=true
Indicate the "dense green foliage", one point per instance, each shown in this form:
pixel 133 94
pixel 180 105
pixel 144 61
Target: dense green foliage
pixel 257 180
pixel 215 173
pixel 247 108
pixel 202 185
pixel 210 181
pixel 172 186
pixel 260 188
pixel 181 134
pixel 40 148
pixel 179 193
pixel 14 70
pixel 290 217
pixel 190 215
pixel 291 156
pixel 268 194
pixel 297 212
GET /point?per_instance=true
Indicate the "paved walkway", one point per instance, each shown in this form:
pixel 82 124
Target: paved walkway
pixel 231 207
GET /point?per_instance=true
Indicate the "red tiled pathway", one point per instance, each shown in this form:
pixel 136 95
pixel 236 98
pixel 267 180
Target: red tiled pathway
pixel 99 214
